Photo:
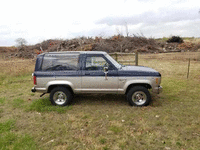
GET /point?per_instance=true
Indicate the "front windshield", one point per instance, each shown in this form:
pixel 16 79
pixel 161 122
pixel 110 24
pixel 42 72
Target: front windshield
pixel 113 61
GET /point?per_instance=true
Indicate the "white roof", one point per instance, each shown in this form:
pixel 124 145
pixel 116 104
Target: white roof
pixel 79 52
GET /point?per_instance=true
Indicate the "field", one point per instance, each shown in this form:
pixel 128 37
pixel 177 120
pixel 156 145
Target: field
pixel 103 121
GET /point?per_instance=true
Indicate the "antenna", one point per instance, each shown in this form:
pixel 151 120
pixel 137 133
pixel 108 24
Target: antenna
pixel 41 49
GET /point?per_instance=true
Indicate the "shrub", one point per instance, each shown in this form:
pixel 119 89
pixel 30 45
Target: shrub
pixel 176 39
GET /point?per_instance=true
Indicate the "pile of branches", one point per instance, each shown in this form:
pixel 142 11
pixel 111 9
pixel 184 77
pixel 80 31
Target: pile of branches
pixel 116 43
pixel 113 44
pixel 22 52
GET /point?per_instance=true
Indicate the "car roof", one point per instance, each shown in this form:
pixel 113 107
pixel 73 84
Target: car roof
pixel 77 52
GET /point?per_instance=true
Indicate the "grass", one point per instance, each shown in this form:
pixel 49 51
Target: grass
pixel 184 56
pixel 186 39
pixel 102 121
pixel 115 129
pixel 44 105
pixel 6 126
pixel 17 103
pixel 11 140
pixel 102 140
pixel 2 100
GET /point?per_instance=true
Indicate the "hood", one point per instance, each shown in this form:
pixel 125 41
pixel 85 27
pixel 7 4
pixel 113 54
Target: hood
pixel 138 71
pixel 138 68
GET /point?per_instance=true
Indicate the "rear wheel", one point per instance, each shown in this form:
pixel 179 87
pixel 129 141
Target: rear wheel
pixel 60 96
pixel 138 96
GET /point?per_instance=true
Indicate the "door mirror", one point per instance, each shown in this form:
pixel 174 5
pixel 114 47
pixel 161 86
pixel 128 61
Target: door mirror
pixel 105 69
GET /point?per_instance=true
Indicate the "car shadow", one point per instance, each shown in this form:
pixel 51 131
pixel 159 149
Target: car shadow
pixel 111 99
pixel 99 99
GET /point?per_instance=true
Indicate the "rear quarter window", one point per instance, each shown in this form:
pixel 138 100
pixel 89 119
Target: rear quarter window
pixel 59 62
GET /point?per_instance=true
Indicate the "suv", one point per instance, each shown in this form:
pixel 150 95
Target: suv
pixel 63 74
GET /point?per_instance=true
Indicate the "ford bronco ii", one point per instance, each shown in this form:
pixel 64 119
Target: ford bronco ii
pixel 63 74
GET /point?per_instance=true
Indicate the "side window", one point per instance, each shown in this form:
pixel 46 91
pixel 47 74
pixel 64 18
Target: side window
pixel 95 63
pixel 59 62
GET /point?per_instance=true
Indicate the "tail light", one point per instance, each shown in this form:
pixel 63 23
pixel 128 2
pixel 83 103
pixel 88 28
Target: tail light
pixel 34 80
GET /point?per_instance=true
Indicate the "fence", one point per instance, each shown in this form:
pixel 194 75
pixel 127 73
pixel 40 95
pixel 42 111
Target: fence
pixel 122 58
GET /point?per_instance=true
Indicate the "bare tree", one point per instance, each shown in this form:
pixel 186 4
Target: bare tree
pixel 126 25
pixel 21 47
pixel 21 42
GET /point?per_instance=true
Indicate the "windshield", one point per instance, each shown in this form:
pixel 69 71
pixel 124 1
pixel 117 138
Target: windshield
pixel 114 61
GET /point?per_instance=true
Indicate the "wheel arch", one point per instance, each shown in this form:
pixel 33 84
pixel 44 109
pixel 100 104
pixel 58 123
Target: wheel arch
pixel 146 85
pixel 51 87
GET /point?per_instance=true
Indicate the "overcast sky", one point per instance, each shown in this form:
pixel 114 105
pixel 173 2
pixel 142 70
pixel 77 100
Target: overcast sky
pixel 40 20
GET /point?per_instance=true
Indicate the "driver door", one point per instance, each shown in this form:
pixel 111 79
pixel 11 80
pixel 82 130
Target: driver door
pixel 99 75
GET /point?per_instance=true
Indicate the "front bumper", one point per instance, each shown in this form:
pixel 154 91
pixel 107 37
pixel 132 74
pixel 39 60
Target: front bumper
pixel 157 90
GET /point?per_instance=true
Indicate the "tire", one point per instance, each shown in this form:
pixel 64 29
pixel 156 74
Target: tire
pixel 138 96
pixel 60 96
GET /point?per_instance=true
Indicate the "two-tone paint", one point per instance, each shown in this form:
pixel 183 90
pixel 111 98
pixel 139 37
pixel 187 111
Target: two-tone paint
pixel 116 80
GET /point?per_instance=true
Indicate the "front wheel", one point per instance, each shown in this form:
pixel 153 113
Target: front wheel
pixel 60 96
pixel 138 96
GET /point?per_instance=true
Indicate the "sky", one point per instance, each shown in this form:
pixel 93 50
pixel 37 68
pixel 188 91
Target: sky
pixel 39 20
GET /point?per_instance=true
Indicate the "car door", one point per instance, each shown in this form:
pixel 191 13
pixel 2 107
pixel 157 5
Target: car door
pixel 95 79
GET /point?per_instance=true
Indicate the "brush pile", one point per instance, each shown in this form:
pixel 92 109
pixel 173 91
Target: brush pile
pixel 113 44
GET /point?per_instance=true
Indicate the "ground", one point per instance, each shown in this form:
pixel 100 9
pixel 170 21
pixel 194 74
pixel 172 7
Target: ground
pixel 102 121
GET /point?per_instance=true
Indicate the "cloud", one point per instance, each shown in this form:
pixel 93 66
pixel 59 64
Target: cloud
pixel 52 19
pixel 153 17
pixel 187 28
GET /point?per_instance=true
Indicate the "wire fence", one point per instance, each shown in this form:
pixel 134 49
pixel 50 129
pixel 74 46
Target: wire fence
pixel 126 58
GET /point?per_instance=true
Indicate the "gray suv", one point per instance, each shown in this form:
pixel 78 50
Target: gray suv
pixel 63 74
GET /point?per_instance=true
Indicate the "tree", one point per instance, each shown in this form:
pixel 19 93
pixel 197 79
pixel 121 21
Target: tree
pixel 21 42
pixel 126 25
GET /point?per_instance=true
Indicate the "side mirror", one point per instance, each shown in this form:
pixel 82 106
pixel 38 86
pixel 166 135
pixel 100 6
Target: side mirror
pixel 105 69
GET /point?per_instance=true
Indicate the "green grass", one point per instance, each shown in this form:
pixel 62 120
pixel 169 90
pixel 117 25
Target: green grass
pixel 7 126
pixel 95 121
pixel 13 141
pixel 105 148
pixel 44 105
pixel 7 140
pixel 2 100
pixel 102 140
pixel 115 129
pixel 17 103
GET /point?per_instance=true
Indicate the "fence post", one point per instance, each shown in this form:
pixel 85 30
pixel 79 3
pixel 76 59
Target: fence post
pixel 136 58
pixel 188 68
pixel 116 56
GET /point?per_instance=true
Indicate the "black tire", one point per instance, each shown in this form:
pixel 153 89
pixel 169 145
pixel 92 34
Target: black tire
pixel 138 96
pixel 61 96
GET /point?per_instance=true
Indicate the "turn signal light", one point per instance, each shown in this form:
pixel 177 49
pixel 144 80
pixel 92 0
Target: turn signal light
pixel 156 80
